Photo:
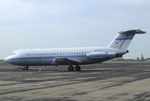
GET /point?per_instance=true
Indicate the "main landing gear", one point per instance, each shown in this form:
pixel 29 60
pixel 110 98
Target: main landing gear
pixel 76 68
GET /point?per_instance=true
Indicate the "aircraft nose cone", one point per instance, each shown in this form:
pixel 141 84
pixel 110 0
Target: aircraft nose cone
pixel 7 59
pixel 11 60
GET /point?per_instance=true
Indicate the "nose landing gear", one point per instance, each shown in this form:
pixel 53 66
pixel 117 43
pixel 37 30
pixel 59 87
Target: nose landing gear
pixel 24 68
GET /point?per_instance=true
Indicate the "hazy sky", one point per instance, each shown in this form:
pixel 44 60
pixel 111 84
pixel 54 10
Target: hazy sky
pixel 72 23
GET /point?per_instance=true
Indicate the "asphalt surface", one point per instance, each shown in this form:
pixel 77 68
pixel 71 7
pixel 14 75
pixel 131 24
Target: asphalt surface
pixel 100 82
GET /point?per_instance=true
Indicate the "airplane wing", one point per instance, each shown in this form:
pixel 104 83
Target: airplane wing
pixel 66 61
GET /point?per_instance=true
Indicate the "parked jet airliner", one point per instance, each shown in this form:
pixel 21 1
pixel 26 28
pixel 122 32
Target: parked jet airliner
pixel 73 57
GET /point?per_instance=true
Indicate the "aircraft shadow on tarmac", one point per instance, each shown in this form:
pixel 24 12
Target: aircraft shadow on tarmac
pixel 63 70
pixel 54 70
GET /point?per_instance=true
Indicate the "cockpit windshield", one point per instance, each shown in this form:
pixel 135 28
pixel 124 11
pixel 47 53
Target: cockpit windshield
pixel 14 53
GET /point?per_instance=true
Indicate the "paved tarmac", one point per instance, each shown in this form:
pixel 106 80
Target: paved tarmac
pixel 101 82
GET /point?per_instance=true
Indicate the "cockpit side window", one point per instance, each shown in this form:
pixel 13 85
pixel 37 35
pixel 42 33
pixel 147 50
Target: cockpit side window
pixel 98 50
pixel 14 53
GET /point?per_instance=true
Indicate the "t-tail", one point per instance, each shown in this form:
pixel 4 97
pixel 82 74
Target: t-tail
pixel 124 38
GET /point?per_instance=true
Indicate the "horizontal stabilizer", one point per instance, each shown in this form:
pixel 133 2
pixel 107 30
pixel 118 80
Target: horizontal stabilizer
pixel 138 31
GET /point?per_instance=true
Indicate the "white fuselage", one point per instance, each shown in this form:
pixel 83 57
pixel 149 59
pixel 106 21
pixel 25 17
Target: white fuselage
pixel 75 56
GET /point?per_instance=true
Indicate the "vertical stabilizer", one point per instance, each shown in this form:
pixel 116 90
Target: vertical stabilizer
pixel 124 38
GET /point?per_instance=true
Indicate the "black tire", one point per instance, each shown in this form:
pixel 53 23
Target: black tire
pixel 77 68
pixel 24 67
pixel 27 67
pixel 70 68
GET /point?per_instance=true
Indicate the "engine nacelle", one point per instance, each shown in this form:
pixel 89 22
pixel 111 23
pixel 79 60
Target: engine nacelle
pixel 99 55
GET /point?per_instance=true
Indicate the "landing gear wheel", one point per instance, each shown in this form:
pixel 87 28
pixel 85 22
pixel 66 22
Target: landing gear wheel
pixel 77 68
pixel 24 68
pixel 70 68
